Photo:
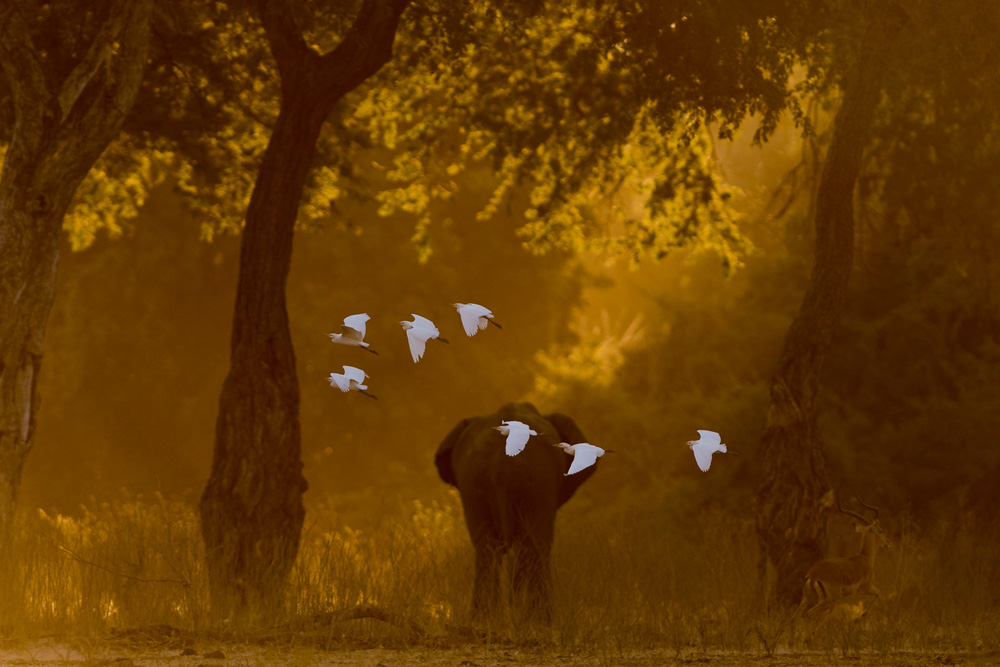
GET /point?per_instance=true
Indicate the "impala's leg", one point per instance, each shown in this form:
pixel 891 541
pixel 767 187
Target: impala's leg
pixel 822 606
pixel 803 603
pixel 875 594
pixel 824 598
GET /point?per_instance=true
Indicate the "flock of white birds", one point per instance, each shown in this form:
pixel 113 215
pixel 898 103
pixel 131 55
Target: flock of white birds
pixel 475 318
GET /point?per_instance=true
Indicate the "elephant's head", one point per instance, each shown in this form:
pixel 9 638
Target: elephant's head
pixel 510 502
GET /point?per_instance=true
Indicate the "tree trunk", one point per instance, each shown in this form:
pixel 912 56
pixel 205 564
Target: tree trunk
pixel 795 489
pixel 28 258
pixel 57 137
pixel 251 508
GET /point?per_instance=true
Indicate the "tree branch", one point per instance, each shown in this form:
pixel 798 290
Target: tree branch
pixel 284 37
pixel 117 573
pixel 366 47
pixel 104 113
pixel 98 53
pixel 20 63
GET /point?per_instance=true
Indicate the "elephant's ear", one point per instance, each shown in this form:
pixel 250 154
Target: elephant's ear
pixel 571 433
pixel 568 430
pixel 443 457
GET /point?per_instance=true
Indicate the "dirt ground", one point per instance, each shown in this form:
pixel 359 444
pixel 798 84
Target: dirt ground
pixel 41 653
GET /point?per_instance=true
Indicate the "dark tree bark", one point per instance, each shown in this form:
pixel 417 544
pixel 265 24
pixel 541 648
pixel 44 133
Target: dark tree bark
pixel 251 508
pixel 60 130
pixel 795 489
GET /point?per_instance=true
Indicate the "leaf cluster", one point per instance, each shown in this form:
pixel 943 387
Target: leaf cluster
pixel 589 107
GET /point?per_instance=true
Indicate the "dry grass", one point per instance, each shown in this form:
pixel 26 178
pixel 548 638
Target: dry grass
pixel 623 584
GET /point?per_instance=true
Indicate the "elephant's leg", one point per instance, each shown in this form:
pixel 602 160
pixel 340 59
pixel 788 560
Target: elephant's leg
pixel 532 574
pixel 533 585
pixel 486 589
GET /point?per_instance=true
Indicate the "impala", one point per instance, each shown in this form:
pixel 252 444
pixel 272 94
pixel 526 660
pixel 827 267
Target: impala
pixel 835 579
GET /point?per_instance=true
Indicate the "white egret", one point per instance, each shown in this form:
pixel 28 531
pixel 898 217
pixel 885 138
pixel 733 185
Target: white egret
pixel 704 447
pixel 418 332
pixel 351 379
pixel 352 332
pixel 517 435
pixel 584 455
pixel 475 317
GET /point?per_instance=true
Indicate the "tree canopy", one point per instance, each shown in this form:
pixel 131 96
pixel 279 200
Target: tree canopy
pixel 596 126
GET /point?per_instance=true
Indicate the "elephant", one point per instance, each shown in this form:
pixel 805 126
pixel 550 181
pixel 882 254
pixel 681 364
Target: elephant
pixel 510 502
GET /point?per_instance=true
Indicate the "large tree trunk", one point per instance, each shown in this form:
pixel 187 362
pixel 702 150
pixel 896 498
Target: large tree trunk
pixel 251 508
pixel 795 489
pixel 57 137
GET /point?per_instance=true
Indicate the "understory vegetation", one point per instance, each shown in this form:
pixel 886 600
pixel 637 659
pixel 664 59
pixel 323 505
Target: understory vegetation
pixel 676 577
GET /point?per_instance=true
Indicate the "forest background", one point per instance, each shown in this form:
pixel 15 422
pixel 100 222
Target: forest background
pixel 641 351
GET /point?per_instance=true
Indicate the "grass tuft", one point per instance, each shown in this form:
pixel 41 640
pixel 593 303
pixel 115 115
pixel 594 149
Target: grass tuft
pixel 624 581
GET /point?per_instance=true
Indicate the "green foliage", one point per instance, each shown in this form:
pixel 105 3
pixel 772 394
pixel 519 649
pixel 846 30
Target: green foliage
pixel 602 113
pixel 598 109
pixel 113 192
pixel 208 98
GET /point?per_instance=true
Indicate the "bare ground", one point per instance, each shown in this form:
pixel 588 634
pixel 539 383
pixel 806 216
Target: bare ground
pixel 209 654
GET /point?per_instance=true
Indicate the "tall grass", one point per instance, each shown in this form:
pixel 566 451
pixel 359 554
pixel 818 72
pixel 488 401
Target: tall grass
pixel 131 564
pixel 681 580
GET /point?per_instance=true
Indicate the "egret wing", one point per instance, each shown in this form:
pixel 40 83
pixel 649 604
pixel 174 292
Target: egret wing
pixel 517 437
pixel 348 335
pixel 356 323
pixel 417 339
pixel 470 320
pixel 340 381
pixel 584 456
pixel 709 438
pixel 702 455
pixel 474 317
pixel 355 374
pixel 421 322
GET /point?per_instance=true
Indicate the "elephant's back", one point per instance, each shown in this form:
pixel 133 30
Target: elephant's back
pixel 483 461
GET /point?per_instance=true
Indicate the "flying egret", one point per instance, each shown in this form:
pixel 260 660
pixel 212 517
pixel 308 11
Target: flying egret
pixel 704 447
pixel 353 332
pixel 418 332
pixel 584 455
pixel 350 380
pixel 475 317
pixel 517 435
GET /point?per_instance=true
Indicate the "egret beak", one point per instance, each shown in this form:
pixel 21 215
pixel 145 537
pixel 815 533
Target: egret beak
pixel 494 323
pixel 443 340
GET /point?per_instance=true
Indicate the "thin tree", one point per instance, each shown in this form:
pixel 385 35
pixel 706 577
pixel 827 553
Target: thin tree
pixel 251 508
pixel 795 489
pixel 66 112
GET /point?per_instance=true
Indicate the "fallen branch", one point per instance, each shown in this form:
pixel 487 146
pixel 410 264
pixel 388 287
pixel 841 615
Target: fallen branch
pixel 370 611
pixel 118 573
